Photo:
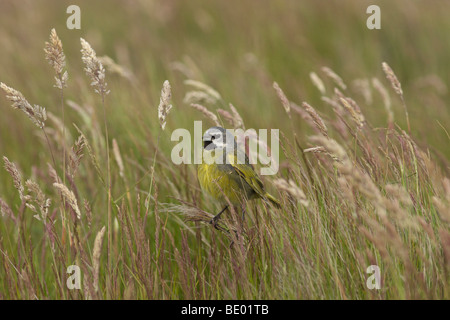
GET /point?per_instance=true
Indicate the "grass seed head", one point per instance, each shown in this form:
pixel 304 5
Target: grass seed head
pixel 283 98
pixel 291 188
pixel 318 83
pixel 207 113
pixel 39 199
pixel 118 157
pixel 70 198
pixel 96 256
pixel 37 114
pixel 16 176
pixel 385 97
pixel 5 210
pixel 318 121
pixel 54 54
pixel 390 75
pixel 202 87
pixel 93 68
pixel 164 104
pixel 333 76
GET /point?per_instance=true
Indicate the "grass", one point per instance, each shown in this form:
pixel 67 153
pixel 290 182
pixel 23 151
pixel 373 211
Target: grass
pixel 364 149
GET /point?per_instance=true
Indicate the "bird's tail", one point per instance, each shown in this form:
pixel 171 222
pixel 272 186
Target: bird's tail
pixel 268 197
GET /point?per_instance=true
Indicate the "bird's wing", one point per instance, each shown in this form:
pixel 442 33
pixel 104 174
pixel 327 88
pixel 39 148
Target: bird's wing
pixel 247 173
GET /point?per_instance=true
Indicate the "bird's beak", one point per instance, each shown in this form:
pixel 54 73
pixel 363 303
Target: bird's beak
pixel 206 143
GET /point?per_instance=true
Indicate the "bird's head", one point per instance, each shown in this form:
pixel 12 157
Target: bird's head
pixel 218 138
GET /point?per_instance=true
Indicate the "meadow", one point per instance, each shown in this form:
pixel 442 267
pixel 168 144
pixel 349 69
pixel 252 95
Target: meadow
pixel 87 179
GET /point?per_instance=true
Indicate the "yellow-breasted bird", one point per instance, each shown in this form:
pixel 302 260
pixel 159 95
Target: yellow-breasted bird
pixel 226 171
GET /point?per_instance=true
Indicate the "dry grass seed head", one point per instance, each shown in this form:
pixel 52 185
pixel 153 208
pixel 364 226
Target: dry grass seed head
pixel 75 156
pixel 16 176
pixel 333 76
pixel 198 97
pixel 318 83
pixel 93 68
pixel 37 114
pixel 96 256
pixel 226 115
pixel 331 145
pixel 291 188
pixel 207 113
pixel 354 111
pixel 337 108
pixel 70 198
pixel 363 86
pixel 39 199
pixel 213 95
pixel 88 211
pixel 164 104
pixel 91 154
pixel 317 120
pixel 114 67
pixel 318 149
pixel 54 54
pixel 234 119
pixel 237 119
pixel 303 114
pixel 284 100
pixel 385 97
pixel 118 157
pixel 390 75
pixel 5 210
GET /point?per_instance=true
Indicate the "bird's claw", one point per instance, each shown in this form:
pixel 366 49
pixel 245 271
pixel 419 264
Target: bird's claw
pixel 213 221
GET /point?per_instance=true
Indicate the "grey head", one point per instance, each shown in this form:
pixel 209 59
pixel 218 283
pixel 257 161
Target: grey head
pixel 218 138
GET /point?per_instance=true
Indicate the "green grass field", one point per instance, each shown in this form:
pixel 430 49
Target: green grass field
pixel 364 163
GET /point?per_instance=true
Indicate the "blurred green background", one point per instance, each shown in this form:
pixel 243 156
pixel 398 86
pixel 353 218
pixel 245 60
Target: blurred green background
pixel 237 47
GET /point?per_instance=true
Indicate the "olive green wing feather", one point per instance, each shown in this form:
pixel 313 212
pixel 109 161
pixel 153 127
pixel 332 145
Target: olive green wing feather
pixel 248 174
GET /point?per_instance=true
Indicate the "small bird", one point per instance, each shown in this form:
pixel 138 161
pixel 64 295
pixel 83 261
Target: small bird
pixel 228 178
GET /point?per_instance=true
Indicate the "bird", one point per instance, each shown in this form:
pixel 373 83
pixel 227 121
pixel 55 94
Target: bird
pixel 223 177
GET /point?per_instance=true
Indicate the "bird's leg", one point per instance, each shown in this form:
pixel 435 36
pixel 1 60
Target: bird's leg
pixel 217 216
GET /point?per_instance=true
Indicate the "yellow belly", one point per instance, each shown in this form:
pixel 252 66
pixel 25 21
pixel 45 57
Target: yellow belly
pixel 210 177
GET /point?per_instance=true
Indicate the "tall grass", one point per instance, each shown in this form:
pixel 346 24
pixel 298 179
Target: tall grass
pixel 353 194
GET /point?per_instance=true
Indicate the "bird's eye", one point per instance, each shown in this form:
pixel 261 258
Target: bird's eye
pixel 213 137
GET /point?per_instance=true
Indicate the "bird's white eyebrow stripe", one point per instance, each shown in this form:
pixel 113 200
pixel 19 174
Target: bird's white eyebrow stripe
pixel 215 132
